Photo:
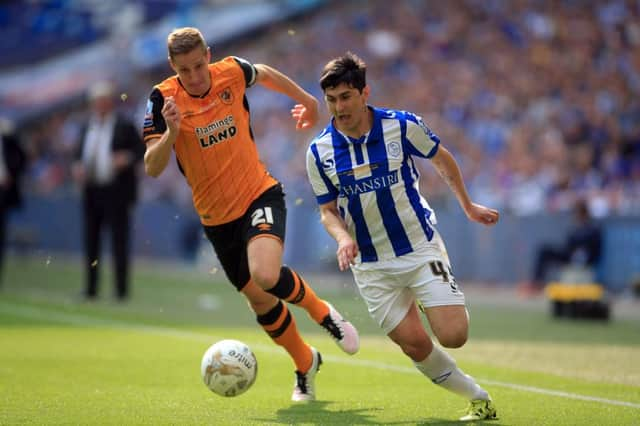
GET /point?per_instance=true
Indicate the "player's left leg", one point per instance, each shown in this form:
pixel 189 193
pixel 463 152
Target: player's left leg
pixel 279 324
pixel 444 305
pixel 276 320
pixel 432 361
pixel 438 366
pixel 450 324
pixel 442 369
pixel 271 313
pixel 264 227
pixel 265 256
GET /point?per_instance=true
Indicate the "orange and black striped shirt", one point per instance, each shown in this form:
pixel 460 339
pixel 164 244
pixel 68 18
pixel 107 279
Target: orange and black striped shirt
pixel 215 147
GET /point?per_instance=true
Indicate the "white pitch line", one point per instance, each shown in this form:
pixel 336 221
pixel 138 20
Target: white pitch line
pixel 85 320
pixel 561 394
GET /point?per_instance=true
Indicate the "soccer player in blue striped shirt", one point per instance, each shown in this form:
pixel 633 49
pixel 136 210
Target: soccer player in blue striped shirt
pixel 361 168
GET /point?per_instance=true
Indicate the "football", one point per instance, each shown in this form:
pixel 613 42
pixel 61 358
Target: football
pixel 229 368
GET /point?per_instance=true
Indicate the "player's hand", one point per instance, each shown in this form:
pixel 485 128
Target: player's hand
pixel 171 114
pixel 346 253
pixel 481 214
pixel 306 116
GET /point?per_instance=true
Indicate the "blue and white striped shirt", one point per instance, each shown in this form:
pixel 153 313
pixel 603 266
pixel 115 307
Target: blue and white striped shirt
pixel 375 182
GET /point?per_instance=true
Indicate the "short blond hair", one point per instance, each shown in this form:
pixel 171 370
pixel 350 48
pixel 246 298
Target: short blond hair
pixel 184 40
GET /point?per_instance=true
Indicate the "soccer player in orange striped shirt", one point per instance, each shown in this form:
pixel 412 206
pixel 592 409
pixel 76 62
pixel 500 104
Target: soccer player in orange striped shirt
pixel 202 113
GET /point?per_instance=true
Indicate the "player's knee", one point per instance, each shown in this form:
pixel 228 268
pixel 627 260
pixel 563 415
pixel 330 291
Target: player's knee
pixel 265 278
pixel 453 339
pixel 416 349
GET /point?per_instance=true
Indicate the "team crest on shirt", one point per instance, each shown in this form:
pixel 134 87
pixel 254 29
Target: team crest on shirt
pixel 226 96
pixel 393 149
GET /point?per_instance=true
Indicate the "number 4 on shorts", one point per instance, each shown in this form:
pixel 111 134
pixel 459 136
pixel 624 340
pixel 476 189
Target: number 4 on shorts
pixel 437 268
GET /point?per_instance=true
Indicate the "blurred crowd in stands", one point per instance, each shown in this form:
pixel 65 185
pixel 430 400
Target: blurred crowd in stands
pixel 53 27
pixel 538 100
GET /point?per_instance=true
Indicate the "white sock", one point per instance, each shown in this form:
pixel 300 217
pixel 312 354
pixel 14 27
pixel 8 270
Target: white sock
pixel 442 370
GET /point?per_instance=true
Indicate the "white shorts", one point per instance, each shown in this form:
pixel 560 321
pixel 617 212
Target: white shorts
pixel 390 287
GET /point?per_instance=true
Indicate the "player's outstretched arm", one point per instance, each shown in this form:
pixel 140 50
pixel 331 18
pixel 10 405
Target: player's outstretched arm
pixel 306 111
pixel 448 169
pixel 335 226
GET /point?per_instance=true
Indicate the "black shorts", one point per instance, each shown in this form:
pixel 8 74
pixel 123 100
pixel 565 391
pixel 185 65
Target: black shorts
pixel 267 215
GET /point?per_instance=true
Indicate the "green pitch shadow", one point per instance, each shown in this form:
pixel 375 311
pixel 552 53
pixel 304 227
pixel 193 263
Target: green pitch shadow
pixel 316 412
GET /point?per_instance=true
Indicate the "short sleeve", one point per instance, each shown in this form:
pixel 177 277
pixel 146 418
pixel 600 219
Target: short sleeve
pixel 322 186
pixel 422 141
pixel 248 69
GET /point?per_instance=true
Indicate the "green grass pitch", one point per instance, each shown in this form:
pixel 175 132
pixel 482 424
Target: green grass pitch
pixel 66 362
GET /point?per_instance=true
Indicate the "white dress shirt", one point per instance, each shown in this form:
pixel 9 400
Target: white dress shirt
pixel 96 155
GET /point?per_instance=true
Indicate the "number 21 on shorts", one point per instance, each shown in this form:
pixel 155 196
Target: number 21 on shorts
pixel 262 215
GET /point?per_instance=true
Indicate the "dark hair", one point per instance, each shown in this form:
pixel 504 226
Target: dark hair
pixel 348 68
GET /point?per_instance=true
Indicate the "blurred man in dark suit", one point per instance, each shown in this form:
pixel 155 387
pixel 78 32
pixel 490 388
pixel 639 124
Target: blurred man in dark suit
pixel 12 165
pixel 110 148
